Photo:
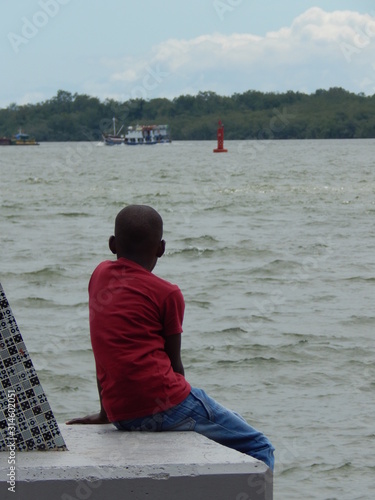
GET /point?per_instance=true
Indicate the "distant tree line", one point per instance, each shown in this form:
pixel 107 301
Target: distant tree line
pixel 325 114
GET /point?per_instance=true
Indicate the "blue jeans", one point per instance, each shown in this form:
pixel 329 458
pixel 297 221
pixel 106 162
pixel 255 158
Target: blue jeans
pixel 202 414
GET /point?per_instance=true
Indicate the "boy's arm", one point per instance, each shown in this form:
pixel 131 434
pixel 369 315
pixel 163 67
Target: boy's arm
pixel 96 418
pixel 173 349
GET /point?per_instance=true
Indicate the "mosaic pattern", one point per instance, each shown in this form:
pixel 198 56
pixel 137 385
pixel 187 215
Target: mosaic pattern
pixel 26 419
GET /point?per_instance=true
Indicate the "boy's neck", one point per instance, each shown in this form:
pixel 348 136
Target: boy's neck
pixel 146 263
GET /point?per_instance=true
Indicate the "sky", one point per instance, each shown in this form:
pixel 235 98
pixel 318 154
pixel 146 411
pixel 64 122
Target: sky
pixel 126 50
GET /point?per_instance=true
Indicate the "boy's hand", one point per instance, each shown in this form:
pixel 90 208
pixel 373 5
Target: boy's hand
pixel 97 418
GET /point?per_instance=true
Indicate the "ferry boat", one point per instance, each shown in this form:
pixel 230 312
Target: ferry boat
pixel 115 138
pixel 147 135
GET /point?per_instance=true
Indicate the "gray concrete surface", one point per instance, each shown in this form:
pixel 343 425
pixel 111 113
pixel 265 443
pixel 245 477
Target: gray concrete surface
pixel 105 464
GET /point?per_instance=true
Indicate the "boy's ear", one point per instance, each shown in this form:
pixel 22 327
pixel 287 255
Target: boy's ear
pixel 112 244
pixel 161 249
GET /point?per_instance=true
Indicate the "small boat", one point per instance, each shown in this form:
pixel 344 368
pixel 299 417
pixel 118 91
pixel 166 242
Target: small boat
pixel 147 135
pixel 20 139
pixel 115 138
pixel 5 141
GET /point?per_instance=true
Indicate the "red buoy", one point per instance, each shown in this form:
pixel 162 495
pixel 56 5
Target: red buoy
pixel 220 139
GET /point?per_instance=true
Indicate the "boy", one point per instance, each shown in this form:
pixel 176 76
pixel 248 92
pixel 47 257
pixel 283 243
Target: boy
pixel 135 328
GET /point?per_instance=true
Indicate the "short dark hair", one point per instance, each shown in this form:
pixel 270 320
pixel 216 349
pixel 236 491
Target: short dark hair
pixel 138 229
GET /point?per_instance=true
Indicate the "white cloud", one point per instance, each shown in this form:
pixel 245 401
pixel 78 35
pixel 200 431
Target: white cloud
pixel 318 50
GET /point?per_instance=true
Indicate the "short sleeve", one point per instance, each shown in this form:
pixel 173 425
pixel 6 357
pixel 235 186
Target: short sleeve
pixel 173 313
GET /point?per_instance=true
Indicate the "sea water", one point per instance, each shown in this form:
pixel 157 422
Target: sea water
pixel 272 245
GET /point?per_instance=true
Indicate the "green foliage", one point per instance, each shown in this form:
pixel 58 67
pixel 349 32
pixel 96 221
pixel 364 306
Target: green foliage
pixel 332 113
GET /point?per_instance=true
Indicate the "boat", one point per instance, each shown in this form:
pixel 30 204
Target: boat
pixel 147 135
pixel 115 138
pixel 5 141
pixel 20 139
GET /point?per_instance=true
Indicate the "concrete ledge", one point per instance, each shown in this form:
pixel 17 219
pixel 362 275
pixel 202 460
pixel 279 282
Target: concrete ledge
pixel 102 463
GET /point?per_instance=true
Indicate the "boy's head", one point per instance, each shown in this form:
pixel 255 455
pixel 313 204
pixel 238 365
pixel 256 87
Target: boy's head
pixel 138 235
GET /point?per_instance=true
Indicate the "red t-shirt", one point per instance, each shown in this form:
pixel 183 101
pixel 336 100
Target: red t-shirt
pixel 132 311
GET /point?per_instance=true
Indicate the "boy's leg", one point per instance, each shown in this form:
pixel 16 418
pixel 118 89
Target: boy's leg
pixel 204 415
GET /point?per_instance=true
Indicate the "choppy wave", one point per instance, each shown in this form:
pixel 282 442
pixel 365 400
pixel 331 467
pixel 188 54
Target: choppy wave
pixel 74 214
pixel 360 279
pixel 46 273
pixel 359 320
pixel 192 251
pixel 38 302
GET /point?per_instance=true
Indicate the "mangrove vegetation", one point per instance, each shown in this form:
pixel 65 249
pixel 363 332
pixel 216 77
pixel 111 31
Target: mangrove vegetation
pixel 325 114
